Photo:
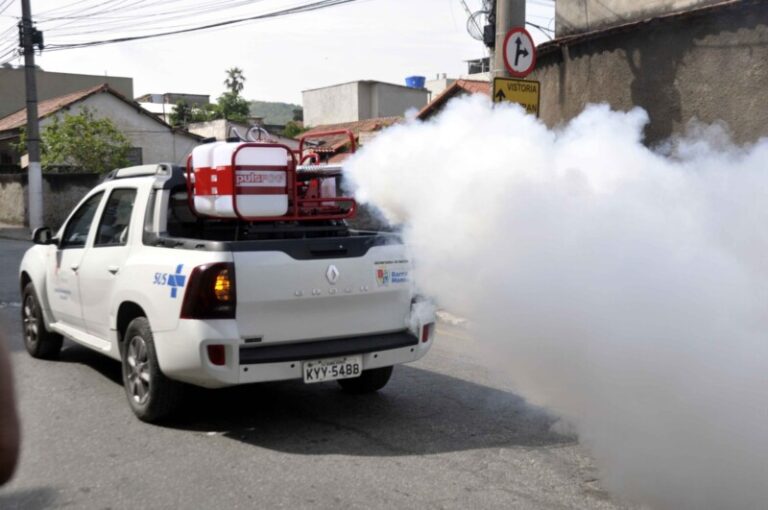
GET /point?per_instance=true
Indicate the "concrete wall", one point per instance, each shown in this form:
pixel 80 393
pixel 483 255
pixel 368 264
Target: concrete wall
pixel 218 129
pixel 351 102
pixel 49 85
pixel 61 192
pixel 710 67
pixel 331 105
pixel 389 100
pixel 437 85
pixel 576 16
pixel 158 143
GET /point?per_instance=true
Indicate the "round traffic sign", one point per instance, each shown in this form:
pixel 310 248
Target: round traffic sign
pixel 519 52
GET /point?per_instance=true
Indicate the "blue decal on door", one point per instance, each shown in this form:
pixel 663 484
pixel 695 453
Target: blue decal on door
pixel 173 280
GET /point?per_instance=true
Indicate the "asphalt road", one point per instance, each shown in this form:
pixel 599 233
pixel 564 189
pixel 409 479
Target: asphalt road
pixel 440 435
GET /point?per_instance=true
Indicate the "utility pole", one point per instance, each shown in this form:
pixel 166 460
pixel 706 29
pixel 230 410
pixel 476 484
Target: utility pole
pixel 509 14
pixel 29 37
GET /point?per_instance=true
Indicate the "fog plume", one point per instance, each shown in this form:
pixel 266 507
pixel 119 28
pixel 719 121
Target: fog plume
pixel 622 287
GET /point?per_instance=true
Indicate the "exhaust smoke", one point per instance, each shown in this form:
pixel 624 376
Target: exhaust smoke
pixel 626 289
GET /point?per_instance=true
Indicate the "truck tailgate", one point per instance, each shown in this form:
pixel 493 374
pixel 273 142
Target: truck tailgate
pixel 282 299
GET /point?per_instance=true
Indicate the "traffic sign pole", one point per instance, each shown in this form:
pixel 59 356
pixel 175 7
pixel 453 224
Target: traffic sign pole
pixel 509 14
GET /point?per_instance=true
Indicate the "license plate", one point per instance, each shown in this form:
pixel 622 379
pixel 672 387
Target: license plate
pixel 332 369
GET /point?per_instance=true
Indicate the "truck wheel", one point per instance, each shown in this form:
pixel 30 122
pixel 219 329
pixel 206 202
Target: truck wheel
pixel 151 395
pixel 40 342
pixel 368 382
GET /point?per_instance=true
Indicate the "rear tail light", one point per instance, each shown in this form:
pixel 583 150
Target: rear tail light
pixel 217 354
pixel 211 292
pixel 222 287
pixel 425 331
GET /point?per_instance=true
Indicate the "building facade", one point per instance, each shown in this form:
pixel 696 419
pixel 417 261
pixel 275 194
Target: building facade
pixel 579 16
pixel 152 140
pixel 360 100
pixel 682 61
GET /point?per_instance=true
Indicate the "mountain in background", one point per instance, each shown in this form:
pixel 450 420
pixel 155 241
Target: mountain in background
pixel 274 113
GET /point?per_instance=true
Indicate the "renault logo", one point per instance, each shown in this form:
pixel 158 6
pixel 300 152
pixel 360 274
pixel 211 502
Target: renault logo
pixel 332 274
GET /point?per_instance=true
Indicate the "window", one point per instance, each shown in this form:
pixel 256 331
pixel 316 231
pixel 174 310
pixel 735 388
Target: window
pixel 76 233
pixel 116 218
pixel 135 156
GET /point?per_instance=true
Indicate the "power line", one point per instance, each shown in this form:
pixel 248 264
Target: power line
pixel 544 30
pixel 8 52
pixel 322 4
pixel 4 5
pixel 139 21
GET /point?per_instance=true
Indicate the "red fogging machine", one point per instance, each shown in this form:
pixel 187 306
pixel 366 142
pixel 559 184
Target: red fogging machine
pixel 261 180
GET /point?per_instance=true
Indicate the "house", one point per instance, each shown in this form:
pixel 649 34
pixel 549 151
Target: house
pixel 458 89
pixel 152 139
pixel 360 100
pixel 335 148
pixel 50 85
pixel 438 84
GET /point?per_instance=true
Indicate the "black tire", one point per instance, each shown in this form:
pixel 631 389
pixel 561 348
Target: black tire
pixel 151 395
pixel 368 382
pixel 40 342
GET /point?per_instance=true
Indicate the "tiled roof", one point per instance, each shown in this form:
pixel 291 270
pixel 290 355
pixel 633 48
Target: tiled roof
pixel 459 87
pixel 335 142
pixel 50 106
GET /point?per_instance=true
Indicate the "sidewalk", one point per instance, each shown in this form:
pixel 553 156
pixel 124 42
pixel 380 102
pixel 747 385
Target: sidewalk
pixel 15 232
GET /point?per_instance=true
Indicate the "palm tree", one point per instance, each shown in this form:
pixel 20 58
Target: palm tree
pixel 235 80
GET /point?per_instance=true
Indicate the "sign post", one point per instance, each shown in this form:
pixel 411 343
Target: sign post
pixel 519 59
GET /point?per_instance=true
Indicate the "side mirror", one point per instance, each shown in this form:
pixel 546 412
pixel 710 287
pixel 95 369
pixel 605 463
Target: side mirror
pixel 42 235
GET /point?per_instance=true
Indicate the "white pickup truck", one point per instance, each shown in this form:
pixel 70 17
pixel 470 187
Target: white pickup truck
pixel 134 274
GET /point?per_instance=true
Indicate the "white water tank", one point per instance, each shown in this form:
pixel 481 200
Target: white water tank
pixel 261 180
pixel 202 168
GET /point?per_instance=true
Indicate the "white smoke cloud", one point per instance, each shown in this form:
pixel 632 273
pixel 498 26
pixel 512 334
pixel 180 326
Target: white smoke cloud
pixel 623 288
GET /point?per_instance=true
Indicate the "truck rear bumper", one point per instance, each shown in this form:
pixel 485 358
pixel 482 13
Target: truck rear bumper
pixel 185 359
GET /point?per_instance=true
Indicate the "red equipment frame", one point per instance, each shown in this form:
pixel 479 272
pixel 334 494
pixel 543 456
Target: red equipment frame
pixel 299 208
pixel 350 135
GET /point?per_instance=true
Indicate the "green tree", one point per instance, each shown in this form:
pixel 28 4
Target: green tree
pixel 235 80
pixel 81 143
pixel 231 106
pixel 293 129
pixel 184 114
pixel 181 115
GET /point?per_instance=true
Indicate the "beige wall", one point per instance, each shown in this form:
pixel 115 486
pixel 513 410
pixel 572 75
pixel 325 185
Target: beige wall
pixel 437 86
pixel 710 67
pixel 576 16
pixel 389 100
pixel 351 102
pixel 49 85
pixel 331 105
